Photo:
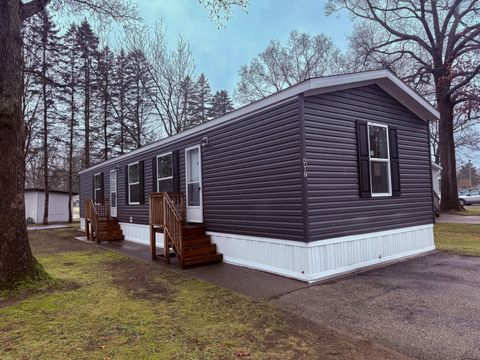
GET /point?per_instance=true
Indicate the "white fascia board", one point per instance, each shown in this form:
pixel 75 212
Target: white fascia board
pixel 384 78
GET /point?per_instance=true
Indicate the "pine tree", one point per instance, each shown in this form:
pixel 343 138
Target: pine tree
pixel 119 104
pixel 31 99
pixel 221 104
pixel 49 54
pixel 87 43
pixel 187 89
pixel 200 102
pixel 138 107
pixel 104 113
pixel 70 71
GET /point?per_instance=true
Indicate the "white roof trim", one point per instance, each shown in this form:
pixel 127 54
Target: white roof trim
pixel 383 78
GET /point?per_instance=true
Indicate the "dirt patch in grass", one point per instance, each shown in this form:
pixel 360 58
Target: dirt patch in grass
pixel 137 279
pixel 56 241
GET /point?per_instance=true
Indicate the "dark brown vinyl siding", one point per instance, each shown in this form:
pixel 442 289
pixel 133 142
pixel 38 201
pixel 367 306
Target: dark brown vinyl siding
pixel 334 205
pixel 251 173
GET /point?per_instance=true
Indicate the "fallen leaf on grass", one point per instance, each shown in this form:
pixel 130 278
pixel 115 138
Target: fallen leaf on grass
pixel 243 354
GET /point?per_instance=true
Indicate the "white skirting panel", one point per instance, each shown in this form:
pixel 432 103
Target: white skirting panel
pixel 318 260
pixel 82 223
pixel 312 261
pixel 139 233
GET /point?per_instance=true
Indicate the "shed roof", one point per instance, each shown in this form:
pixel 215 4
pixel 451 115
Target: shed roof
pixel 385 79
pixel 50 191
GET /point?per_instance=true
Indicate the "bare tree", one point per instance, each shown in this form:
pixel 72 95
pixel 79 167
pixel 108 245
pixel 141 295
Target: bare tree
pixel 278 66
pixel 16 259
pixel 169 71
pixel 69 72
pixel 441 37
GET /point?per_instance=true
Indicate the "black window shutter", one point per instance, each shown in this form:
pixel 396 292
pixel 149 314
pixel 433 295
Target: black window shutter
pixel 154 174
pixel 176 170
pixel 142 182
pixel 363 159
pixel 126 184
pixel 394 163
pixel 102 196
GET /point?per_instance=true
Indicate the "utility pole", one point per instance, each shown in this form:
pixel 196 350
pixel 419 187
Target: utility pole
pixel 470 169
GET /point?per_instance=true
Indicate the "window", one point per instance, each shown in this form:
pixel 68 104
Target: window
pixel 98 188
pixel 134 184
pixel 379 156
pixel 165 173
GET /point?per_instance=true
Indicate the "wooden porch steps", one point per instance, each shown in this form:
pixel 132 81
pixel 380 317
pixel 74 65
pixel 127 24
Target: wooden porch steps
pixel 198 248
pixel 109 230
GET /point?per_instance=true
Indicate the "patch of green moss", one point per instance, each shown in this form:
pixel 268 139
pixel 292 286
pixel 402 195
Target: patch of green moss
pixel 37 279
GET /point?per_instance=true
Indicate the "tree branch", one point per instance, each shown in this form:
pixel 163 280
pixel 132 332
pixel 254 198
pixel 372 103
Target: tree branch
pixel 32 8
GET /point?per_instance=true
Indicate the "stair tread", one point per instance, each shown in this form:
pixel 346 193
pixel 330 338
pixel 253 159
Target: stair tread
pixel 215 258
pixel 204 250
pixel 200 256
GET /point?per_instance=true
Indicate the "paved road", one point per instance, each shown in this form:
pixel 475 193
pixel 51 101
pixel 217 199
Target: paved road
pixel 46 227
pixel 426 308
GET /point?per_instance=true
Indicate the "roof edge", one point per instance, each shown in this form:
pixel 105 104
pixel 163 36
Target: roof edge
pixel 425 110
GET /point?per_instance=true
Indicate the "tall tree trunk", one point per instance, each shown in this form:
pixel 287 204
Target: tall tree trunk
pixel 70 153
pixel 87 112
pixel 16 260
pixel 105 119
pixel 45 122
pixel 446 149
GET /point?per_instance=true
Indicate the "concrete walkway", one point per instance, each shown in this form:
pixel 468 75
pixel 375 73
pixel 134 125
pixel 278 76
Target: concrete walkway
pixel 457 219
pixel 253 283
pixel 46 227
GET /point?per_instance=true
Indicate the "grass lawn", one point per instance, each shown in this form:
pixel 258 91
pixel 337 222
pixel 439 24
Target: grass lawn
pixel 462 239
pixel 469 211
pixel 107 306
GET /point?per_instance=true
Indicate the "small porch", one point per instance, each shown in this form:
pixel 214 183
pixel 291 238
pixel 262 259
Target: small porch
pixel 188 242
pixel 99 224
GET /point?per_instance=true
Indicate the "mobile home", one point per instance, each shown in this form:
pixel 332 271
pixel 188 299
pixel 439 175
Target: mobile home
pixel 325 177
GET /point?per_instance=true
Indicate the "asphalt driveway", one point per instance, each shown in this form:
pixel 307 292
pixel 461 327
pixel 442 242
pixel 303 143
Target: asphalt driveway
pixel 426 308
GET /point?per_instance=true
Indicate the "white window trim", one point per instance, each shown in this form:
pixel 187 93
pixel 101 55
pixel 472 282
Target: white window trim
pixel 387 161
pixel 95 189
pixel 133 183
pixel 167 177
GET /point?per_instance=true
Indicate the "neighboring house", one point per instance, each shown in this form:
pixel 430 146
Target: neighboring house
pixel 327 176
pixel 437 193
pixel 57 205
pixel 436 176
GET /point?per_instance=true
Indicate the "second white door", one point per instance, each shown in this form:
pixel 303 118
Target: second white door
pixel 113 193
pixel 193 184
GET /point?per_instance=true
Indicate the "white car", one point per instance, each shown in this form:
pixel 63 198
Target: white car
pixel 470 197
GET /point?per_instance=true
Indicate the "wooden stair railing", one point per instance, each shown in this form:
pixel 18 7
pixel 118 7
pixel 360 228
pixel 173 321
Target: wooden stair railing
pixel 190 243
pixel 93 214
pixel 173 228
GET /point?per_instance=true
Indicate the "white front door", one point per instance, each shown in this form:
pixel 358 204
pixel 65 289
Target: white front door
pixel 193 184
pixel 113 193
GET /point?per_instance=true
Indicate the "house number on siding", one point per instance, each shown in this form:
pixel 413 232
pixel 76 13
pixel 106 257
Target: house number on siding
pixel 305 174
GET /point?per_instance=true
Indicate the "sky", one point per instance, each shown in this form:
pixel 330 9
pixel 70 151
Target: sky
pixel 219 53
